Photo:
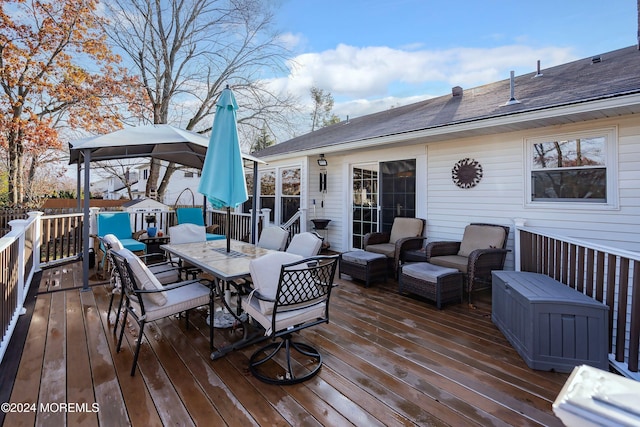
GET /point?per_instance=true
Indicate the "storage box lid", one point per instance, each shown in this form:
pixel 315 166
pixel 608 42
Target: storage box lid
pixel 537 287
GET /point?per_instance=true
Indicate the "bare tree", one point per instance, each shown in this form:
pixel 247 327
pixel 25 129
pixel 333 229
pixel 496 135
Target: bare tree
pixel 121 170
pixel 321 115
pixel 187 52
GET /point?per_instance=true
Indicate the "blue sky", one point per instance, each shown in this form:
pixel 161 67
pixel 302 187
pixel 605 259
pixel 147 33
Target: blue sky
pixel 372 55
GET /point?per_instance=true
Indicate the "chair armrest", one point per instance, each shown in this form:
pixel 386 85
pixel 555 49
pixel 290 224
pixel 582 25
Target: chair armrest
pixel 407 244
pixel 156 255
pixel 493 257
pixel 482 262
pixel 376 238
pixel 442 248
pixel 205 282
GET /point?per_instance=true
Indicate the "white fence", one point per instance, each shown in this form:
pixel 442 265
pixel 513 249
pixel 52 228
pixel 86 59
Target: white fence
pixel 19 258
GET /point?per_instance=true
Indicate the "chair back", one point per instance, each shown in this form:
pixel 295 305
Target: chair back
pixel 405 227
pixel 125 275
pixel 110 243
pixel 187 233
pixel 190 216
pixel 305 244
pixel 116 223
pixel 273 238
pixel 304 284
pixel 483 236
pixel 134 277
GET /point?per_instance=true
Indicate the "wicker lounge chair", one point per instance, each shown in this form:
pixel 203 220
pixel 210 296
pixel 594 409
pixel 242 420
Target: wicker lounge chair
pixel 406 234
pixel 481 251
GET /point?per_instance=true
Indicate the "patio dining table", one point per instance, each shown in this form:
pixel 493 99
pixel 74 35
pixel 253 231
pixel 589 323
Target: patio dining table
pixel 212 257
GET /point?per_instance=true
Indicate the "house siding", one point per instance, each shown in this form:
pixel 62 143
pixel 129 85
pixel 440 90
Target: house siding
pixel 499 197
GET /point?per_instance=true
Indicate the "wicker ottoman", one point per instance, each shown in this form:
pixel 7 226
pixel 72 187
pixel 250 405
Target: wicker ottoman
pixel 439 284
pixel 363 265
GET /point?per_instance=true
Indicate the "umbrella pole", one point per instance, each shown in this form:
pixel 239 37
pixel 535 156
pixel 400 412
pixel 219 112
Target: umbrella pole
pixel 228 229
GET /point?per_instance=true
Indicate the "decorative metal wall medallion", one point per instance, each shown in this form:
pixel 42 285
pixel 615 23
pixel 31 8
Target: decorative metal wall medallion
pixel 466 173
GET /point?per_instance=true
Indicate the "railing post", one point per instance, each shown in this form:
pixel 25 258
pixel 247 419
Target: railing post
pixel 266 214
pixel 36 217
pixel 19 226
pixel 93 225
pixel 304 216
pixel 518 222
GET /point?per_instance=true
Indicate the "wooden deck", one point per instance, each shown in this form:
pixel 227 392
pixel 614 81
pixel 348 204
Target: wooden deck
pixel 388 360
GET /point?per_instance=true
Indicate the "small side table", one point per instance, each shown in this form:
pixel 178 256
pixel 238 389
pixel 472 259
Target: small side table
pixel 153 247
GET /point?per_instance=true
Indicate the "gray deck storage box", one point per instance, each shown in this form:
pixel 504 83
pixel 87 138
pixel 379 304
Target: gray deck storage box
pixel 552 326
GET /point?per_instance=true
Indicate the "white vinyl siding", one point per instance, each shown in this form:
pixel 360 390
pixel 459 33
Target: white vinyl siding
pixel 499 197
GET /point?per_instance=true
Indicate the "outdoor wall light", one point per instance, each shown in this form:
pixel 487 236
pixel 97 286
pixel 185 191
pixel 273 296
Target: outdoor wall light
pixel 322 161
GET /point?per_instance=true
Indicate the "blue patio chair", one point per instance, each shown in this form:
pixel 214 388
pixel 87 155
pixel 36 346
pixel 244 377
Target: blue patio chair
pixel 118 224
pixel 194 216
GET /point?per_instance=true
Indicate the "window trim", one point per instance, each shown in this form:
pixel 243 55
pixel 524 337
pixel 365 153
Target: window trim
pixel 277 170
pixel 611 166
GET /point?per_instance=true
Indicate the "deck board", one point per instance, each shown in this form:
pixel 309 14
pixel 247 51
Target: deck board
pixel 54 368
pixel 137 401
pixel 28 378
pixel 79 378
pixel 389 360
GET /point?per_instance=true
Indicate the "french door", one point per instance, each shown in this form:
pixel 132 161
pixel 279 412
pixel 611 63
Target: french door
pixel 365 202
pixel 381 192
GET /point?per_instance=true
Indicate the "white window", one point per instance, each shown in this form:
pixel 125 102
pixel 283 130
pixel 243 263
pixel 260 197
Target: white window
pixel 279 190
pixel 576 170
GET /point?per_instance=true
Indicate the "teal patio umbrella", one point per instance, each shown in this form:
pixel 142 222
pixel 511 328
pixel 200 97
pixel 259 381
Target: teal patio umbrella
pixel 223 181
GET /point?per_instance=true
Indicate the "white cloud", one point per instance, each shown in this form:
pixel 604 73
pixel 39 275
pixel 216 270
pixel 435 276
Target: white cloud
pixel 291 41
pixel 366 79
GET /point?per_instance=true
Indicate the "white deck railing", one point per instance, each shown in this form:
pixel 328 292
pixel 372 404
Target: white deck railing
pixel 19 250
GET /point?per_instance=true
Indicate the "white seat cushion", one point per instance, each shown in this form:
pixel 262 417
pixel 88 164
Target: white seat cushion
pixel 187 233
pixel 283 319
pixel 305 244
pixel 273 238
pixel 177 300
pixel 145 278
pixel 265 275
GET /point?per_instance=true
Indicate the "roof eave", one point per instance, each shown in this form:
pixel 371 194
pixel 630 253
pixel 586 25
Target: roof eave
pixel 524 119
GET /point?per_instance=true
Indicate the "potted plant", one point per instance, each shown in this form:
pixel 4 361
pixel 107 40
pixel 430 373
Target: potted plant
pixel 151 219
